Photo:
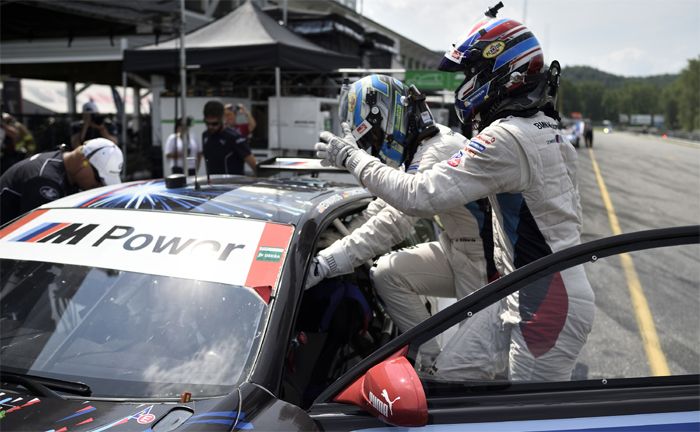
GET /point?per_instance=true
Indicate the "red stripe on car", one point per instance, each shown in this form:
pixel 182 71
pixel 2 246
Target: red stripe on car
pixel 20 223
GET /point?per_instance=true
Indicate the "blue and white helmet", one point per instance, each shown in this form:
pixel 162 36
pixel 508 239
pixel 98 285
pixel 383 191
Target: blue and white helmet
pixel 376 108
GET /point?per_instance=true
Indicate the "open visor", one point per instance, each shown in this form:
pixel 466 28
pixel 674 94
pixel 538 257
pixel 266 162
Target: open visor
pixel 343 104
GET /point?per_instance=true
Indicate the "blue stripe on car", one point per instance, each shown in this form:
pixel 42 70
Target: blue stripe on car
pixel 625 423
pixel 38 230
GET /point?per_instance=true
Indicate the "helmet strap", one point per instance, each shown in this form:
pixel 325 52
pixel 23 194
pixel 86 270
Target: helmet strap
pixel 375 116
pixel 421 124
pixel 374 119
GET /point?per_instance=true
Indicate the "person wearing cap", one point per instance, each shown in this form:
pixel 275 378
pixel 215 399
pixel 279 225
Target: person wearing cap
pixel 92 126
pixel 48 176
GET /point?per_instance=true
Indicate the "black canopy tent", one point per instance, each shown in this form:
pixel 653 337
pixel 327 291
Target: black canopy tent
pixel 245 39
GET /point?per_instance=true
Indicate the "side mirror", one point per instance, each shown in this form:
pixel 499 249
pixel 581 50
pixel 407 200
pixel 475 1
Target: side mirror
pixel 390 391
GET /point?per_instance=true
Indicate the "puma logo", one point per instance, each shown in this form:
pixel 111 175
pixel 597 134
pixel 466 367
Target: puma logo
pixel 384 408
pixel 385 395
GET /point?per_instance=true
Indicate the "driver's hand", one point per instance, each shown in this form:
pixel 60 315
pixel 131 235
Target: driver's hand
pixel 318 270
pixel 335 150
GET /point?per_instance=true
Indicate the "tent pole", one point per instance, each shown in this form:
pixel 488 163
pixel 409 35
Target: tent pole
pixel 70 96
pixel 284 14
pixel 278 95
pixel 123 122
pixel 125 45
pixel 157 87
pixel 185 133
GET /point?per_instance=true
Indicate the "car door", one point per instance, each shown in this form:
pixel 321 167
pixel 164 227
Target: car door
pixel 638 369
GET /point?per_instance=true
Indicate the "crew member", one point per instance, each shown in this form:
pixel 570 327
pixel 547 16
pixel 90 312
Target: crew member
pixel 48 176
pixel 225 150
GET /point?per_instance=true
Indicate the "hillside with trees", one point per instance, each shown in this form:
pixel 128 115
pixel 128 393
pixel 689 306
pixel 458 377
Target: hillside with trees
pixel 600 95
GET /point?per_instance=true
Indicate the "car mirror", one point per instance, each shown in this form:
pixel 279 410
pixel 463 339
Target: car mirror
pixel 390 391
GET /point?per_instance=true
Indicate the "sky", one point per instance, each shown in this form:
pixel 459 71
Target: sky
pixel 622 37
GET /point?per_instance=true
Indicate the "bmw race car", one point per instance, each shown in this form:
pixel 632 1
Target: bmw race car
pixel 151 306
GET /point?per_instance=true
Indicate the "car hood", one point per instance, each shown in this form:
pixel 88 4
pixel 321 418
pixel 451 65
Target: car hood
pixel 26 412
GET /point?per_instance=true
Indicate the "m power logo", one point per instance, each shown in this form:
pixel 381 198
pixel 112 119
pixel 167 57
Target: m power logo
pixel 126 237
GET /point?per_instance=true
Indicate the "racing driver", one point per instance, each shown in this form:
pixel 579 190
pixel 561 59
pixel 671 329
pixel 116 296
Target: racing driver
pixel 527 170
pixel 392 120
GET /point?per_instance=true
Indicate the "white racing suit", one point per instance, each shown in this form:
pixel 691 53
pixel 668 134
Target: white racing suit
pixel 528 172
pixel 452 267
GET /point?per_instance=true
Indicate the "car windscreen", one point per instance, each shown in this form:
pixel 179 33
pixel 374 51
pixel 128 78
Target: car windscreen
pixel 136 303
pixel 127 334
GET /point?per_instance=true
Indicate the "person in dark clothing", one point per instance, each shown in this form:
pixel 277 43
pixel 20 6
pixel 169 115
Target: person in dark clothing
pixel 93 125
pixel 48 176
pixel 588 133
pixel 225 150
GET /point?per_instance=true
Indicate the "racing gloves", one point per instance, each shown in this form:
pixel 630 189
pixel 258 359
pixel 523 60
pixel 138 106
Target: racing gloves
pixel 330 262
pixel 342 152
pixel 318 270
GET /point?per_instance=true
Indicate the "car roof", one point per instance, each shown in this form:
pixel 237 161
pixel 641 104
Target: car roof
pixel 284 200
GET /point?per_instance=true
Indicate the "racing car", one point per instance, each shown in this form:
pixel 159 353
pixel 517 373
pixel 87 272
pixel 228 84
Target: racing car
pixel 170 305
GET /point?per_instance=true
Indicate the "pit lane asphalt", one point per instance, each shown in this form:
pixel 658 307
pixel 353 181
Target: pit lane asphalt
pixel 651 183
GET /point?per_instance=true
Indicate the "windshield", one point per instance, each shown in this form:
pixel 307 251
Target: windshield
pixel 126 334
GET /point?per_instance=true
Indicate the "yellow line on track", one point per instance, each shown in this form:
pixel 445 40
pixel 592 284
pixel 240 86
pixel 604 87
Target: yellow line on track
pixel 645 321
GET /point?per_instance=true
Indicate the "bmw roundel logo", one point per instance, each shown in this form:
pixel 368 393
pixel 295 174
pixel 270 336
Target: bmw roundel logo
pixel 49 193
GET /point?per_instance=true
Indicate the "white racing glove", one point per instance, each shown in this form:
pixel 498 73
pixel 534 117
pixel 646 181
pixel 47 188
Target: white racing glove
pixel 335 150
pixel 342 152
pixel 318 271
pixel 330 262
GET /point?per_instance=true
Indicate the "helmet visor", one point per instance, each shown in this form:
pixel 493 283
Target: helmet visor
pixel 343 114
pixel 469 96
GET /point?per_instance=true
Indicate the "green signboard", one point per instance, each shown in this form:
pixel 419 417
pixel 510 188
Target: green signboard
pixel 434 80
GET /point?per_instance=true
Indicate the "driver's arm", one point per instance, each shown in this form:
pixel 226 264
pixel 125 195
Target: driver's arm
pixel 375 237
pixel 466 177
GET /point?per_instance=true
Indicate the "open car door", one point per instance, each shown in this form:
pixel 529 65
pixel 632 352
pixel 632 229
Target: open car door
pixel 638 370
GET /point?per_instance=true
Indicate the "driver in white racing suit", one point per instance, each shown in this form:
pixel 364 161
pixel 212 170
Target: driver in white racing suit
pixel 528 171
pixel 389 115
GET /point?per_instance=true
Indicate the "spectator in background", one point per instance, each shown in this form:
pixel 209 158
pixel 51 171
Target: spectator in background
pixel 174 150
pixel 225 150
pixel 24 140
pixel 588 133
pixel 48 176
pixel 8 153
pixel 233 113
pixel 93 125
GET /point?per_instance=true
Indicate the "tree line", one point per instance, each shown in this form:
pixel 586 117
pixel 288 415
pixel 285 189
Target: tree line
pixel 599 95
